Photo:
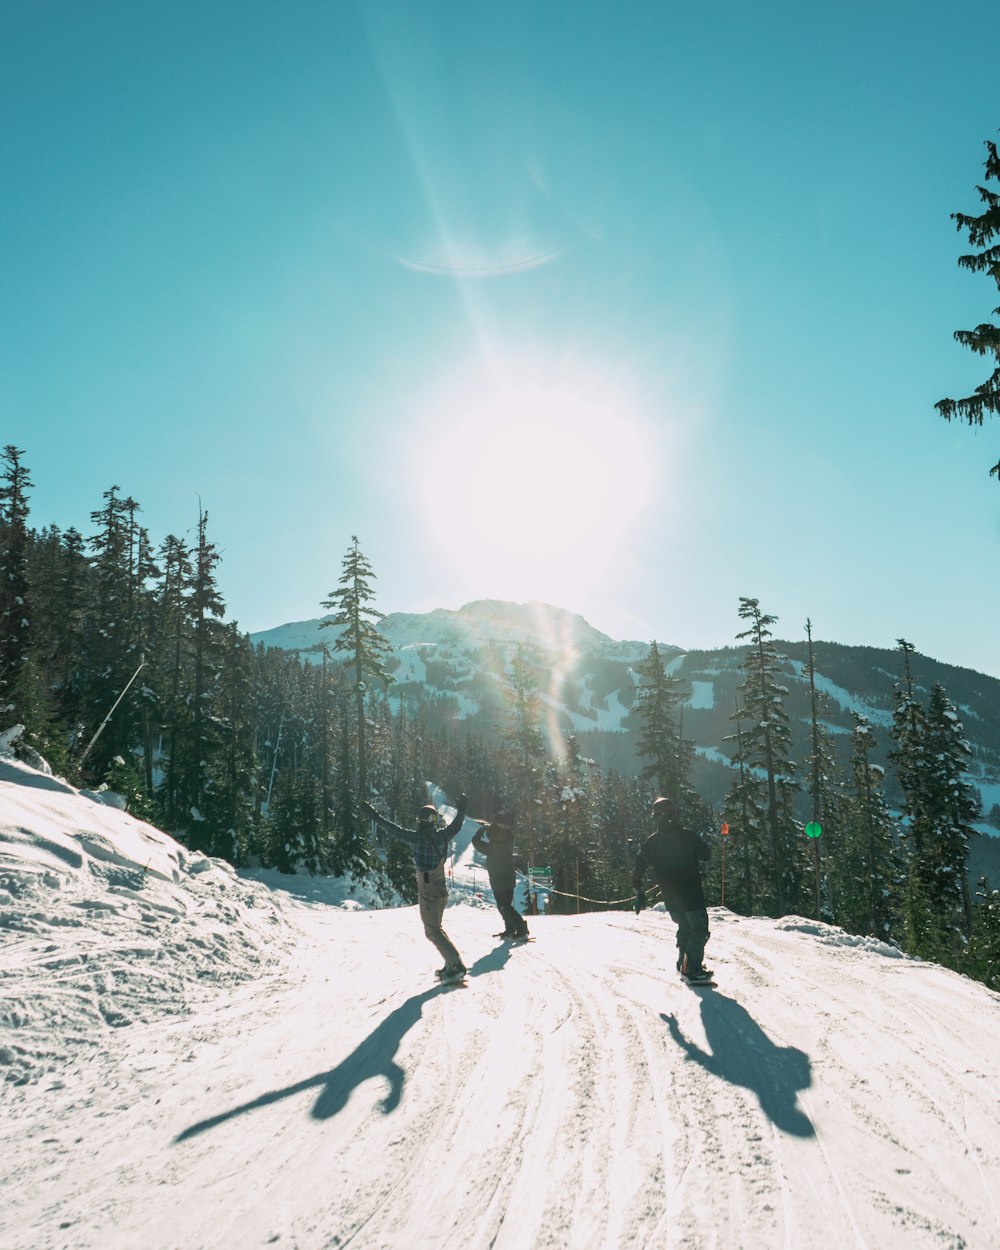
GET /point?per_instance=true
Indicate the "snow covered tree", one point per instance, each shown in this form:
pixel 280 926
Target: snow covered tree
pixel 931 758
pixel 366 649
pixel 984 233
pixel 765 745
pixel 869 871
pixel 983 959
pixel 946 805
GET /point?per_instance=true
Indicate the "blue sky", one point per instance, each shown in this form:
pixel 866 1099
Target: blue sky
pixel 634 308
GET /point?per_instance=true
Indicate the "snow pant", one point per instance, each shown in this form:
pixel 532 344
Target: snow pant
pixel 692 934
pixel 432 899
pixel 513 921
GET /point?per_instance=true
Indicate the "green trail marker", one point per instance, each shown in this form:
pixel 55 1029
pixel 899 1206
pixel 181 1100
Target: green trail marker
pixel 814 829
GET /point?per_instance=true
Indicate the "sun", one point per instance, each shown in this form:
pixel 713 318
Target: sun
pixel 554 475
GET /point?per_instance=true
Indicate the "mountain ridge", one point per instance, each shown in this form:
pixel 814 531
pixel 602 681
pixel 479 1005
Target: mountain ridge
pixel 451 663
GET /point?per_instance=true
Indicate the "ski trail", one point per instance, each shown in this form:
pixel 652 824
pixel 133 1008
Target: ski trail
pixel 574 1093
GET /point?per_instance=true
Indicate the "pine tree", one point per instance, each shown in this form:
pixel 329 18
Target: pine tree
pixel 571 825
pixel 524 739
pixel 232 772
pixel 744 810
pixel 170 670
pixel 983 960
pixel 946 809
pixel 366 649
pixel 659 700
pixel 826 797
pixel 206 610
pixel 765 744
pixel 352 854
pixel 111 645
pixel 869 872
pixel 984 233
pixel 15 609
pixel 931 757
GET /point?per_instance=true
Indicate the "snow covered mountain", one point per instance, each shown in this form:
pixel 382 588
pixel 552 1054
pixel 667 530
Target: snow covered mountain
pixel 452 662
pixel 196 1060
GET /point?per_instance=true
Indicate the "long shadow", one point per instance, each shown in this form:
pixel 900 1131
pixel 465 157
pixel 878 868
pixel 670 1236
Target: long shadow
pixel 742 1054
pixel 375 1056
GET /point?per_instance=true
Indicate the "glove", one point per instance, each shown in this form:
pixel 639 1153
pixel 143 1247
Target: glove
pixel 640 900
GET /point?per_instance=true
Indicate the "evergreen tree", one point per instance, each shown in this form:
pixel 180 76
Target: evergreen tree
pixel 908 725
pixel 526 744
pixel 983 960
pixel 170 671
pixel 827 803
pixel 55 650
pixel 869 871
pixel 765 744
pixel 984 233
pixel 232 773
pixel 111 645
pixel 744 810
pixel 352 853
pixel 68 609
pixel 366 649
pixel 15 608
pixel 931 756
pixel 206 610
pixel 946 807
pixel 571 829
pixel 659 699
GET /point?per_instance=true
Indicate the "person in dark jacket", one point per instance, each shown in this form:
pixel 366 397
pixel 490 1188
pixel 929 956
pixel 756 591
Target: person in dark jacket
pixel 430 849
pixel 675 855
pixel 495 840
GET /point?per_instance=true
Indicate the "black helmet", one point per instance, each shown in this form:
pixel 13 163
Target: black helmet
pixel 663 807
pixel 427 815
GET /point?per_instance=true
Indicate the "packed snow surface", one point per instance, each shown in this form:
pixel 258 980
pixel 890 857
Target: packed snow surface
pixel 197 1061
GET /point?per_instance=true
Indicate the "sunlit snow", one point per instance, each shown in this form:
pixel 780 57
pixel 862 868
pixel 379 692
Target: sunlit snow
pixel 196 1060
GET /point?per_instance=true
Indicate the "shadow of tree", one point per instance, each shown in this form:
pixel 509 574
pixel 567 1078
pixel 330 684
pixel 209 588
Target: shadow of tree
pixel 373 1057
pixel 742 1054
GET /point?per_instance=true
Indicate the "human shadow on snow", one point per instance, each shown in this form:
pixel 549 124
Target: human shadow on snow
pixel 373 1057
pixel 742 1054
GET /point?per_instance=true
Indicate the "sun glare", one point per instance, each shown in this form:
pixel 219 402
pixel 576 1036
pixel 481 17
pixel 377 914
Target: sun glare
pixel 554 478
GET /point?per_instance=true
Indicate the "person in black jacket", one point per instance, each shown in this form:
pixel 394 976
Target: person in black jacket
pixel 495 840
pixel 675 855
pixel 429 845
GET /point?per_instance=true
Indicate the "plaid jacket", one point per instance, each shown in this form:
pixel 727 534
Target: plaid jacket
pixel 428 849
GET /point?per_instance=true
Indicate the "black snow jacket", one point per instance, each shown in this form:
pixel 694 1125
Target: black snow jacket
pixel 674 854
pixel 499 852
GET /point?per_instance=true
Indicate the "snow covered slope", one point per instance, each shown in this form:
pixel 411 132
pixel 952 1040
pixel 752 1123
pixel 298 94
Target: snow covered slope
pixel 229 1065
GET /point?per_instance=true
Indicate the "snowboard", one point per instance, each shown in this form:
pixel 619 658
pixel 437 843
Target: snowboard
pixel 700 985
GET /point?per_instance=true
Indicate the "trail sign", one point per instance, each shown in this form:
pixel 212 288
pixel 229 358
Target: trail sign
pixel 814 829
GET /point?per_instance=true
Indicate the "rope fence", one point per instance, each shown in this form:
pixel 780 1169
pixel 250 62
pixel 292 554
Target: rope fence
pixel 600 902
